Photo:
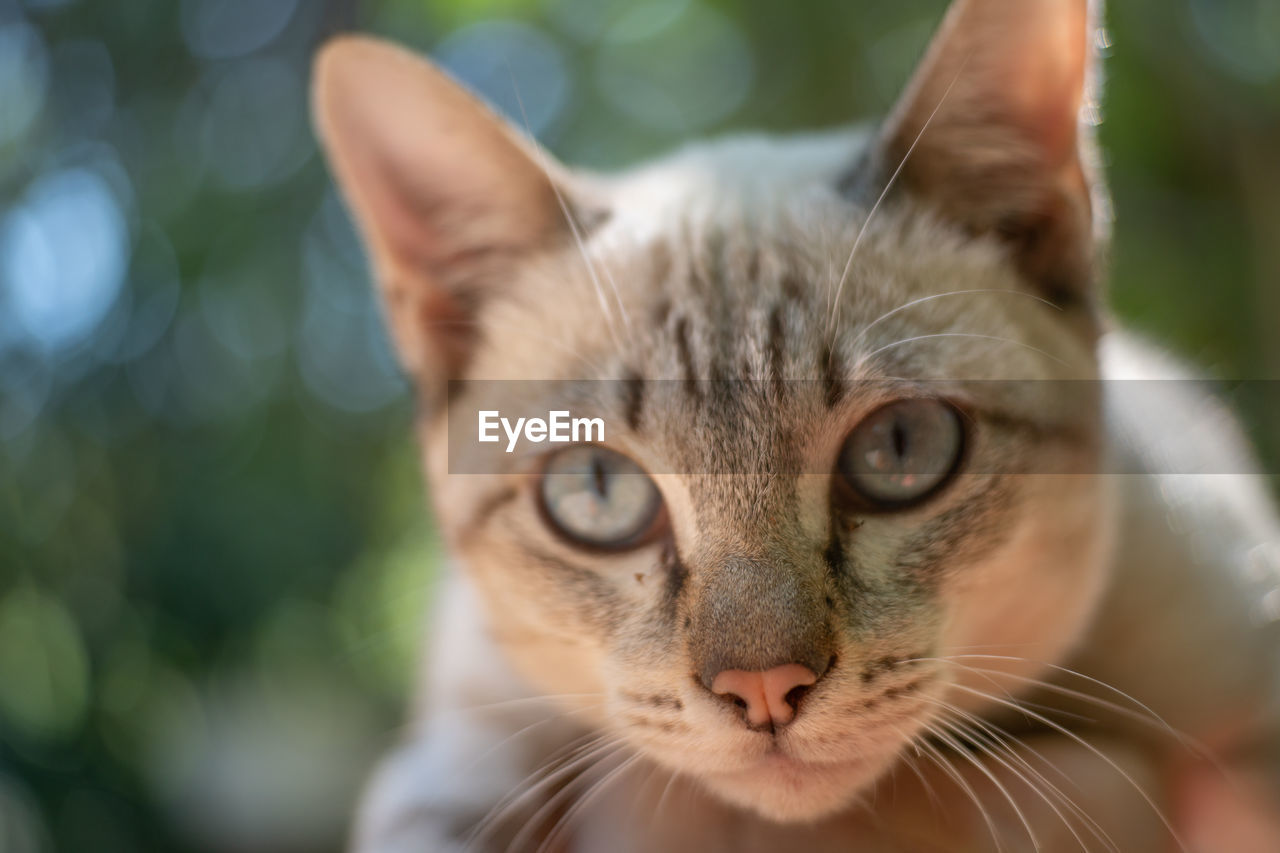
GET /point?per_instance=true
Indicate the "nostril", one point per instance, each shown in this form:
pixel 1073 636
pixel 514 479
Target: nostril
pixel 795 694
pixel 745 691
pixel 767 698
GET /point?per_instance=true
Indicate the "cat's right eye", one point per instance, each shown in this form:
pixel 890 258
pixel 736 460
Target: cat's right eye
pixel 599 498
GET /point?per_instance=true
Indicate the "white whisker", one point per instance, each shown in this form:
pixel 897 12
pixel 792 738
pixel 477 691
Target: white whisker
pixel 982 768
pixel 857 241
pixel 591 793
pixel 565 762
pixel 923 299
pixel 666 789
pixel 1142 713
pixel 573 225
pixel 878 350
pixel 1082 742
pixel 939 759
pixel 992 741
pixel 555 718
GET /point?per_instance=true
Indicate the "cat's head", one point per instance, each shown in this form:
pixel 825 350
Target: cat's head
pixel 766 582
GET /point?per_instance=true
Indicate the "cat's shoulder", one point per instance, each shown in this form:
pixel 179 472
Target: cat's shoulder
pixel 1172 429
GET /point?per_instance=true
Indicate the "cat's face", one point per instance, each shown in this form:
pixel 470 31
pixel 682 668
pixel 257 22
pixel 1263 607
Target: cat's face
pixel 825 471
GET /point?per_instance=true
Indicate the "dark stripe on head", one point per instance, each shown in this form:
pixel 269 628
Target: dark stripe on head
pixel 776 350
pixel 833 377
pixel 661 312
pixel 684 350
pixel 633 399
pixel 706 266
pixel 720 372
pixel 792 289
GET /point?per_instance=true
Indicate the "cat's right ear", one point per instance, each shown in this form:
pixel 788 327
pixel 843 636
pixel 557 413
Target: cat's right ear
pixel 990 132
pixel 444 193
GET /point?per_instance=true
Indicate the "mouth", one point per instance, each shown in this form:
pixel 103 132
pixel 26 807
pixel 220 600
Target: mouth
pixel 787 789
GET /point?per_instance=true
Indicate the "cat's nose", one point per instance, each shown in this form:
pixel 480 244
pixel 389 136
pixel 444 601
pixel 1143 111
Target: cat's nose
pixel 770 697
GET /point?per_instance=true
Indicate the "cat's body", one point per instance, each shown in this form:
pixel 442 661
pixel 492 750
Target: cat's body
pixel 768 647
pixel 1189 544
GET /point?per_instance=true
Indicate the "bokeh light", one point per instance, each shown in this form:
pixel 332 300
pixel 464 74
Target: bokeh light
pixel 63 251
pixel 23 79
pixel 1242 37
pixel 518 69
pixel 223 29
pixel 44 672
pixel 676 65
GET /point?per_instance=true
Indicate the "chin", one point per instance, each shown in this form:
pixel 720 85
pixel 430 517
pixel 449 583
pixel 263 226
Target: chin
pixel 785 790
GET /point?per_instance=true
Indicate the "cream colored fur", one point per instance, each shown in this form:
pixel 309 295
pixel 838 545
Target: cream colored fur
pixel 1147 591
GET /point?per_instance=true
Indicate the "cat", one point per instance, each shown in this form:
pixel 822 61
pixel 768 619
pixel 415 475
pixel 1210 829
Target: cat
pixel 870 557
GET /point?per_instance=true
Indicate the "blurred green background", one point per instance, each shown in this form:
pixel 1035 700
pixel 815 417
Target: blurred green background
pixel 213 551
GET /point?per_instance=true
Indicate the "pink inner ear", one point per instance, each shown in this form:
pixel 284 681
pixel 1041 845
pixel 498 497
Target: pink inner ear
pixel 442 190
pixel 988 131
pixel 1002 67
pixel 1046 82
pixel 431 173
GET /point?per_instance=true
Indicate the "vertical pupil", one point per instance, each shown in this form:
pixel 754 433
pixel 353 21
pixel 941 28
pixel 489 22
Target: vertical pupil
pixel 598 478
pixel 899 439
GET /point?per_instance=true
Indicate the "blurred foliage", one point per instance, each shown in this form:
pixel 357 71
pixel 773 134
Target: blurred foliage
pixel 213 549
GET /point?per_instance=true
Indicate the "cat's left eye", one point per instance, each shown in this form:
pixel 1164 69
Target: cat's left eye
pixel 599 498
pixel 902 453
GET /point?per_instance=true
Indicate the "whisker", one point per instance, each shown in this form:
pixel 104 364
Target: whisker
pixel 555 718
pixel 1098 682
pixel 547 699
pixel 992 741
pixel 939 759
pixel 857 241
pixel 666 789
pixel 641 792
pixel 556 765
pixel 565 762
pixel 913 338
pixel 1082 742
pixel 956 746
pixel 914 302
pixel 989 675
pixel 1142 714
pixel 571 222
pixel 591 793
pixel 915 768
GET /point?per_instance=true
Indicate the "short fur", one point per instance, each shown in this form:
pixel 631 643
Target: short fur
pixel 959 241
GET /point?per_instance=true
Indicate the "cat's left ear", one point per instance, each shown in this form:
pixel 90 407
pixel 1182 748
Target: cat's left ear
pixel 990 132
pixel 446 196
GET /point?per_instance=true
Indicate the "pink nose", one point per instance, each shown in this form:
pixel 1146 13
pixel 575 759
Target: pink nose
pixel 766 695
